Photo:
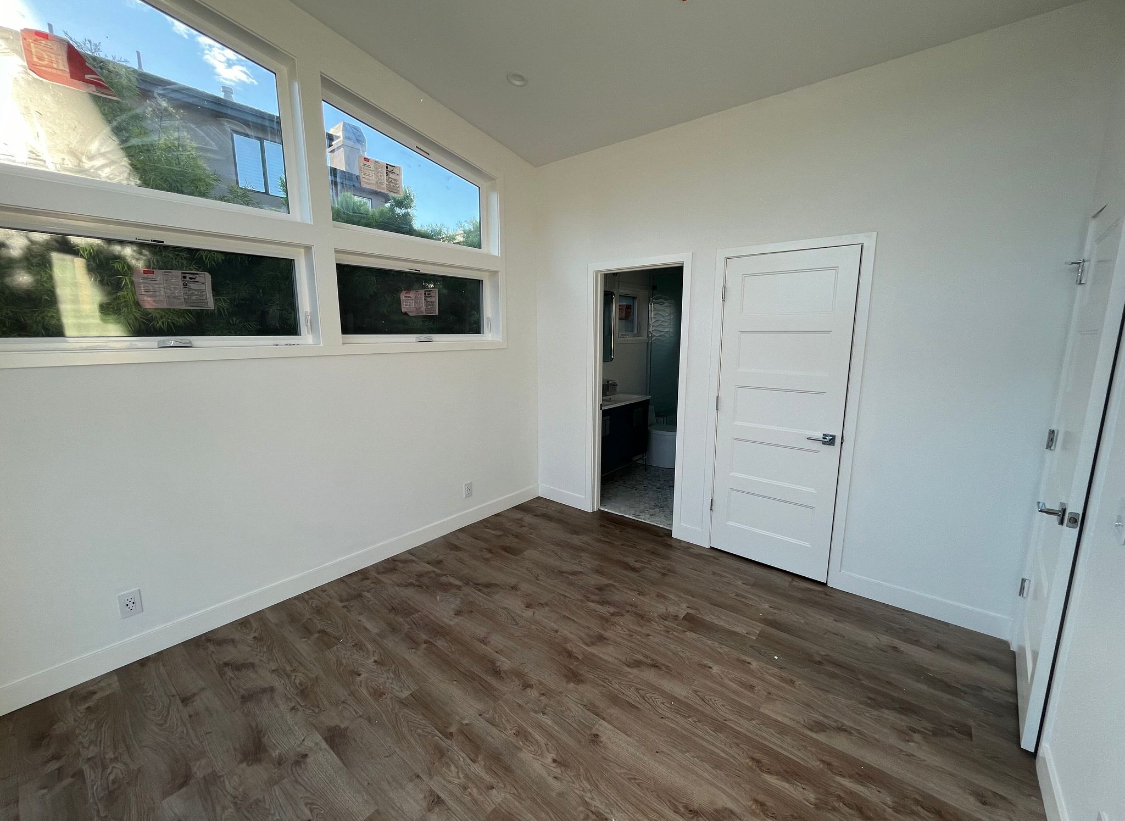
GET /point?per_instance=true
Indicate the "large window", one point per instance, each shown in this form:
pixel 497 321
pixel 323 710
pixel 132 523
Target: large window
pixel 78 287
pixel 118 91
pixel 158 201
pixel 377 182
pixel 393 301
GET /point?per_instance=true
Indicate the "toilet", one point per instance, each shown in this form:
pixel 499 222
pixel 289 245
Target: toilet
pixel 662 446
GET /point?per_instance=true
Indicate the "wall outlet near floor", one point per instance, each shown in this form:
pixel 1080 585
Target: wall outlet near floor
pixel 468 489
pixel 130 603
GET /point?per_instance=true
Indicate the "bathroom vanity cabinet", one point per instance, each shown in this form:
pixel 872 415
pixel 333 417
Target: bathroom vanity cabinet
pixel 624 431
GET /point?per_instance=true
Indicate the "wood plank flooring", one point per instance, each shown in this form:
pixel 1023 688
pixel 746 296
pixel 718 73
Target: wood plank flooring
pixel 541 664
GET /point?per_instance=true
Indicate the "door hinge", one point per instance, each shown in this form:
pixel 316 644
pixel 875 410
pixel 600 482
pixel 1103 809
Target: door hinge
pixel 716 402
pixel 712 505
pixel 1052 436
pixel 1080 266
pixel 1025 585
pixel 724 290
pixel 308 322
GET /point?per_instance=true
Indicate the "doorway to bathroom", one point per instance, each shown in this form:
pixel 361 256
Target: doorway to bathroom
pixel 637 388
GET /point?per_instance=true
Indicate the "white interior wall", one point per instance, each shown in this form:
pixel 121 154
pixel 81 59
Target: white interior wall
pixel 221 487
pixel 1082 754
pixel 974 162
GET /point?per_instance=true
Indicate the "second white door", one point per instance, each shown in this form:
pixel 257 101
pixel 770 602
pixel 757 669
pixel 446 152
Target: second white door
pixel 788 319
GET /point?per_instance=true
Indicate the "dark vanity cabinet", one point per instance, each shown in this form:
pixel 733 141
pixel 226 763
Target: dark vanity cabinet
pixel 624 434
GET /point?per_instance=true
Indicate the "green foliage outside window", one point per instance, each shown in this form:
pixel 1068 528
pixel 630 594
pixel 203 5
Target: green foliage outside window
pixel 370 302
pixel 53 285
pixel 398 216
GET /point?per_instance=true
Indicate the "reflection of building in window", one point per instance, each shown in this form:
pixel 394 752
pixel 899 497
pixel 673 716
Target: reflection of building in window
pixel 240 143
pixel 57 128
pixel 346 146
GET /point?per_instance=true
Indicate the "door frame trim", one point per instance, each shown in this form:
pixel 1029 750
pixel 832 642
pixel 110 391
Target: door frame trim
pixel 855 374
pixel 595 283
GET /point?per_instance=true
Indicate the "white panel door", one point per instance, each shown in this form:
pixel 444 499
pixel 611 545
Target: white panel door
pixel 783 380
pixel 1083 387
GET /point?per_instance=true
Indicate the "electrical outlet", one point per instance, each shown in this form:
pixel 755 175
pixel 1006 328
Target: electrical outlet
pixel 130 603
pixel 468 489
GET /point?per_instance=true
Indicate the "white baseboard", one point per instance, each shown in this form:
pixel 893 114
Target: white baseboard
pixel 29 689
pixel 1053 803
pixel 982 621
pixel 564 497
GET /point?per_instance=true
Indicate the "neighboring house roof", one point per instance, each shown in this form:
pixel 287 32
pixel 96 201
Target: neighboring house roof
pixel 175 92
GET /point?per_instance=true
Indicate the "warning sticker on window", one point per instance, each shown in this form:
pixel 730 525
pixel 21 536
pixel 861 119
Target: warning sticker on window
pixel 394 180
pixel 380 176
pixel 162 288
pixel 419 303
pixel 55 59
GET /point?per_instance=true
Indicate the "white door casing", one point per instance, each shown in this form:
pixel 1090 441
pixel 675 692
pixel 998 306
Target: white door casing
pixel 786 345
pixel 1087 365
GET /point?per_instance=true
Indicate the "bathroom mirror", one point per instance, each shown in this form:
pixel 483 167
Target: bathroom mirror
pixel 607 326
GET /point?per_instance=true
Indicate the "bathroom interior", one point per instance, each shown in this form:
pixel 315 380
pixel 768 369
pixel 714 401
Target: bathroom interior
pixel 641 313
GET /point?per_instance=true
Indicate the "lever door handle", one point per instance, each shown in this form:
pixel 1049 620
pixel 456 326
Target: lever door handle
pixel 824 439
pixel 1059 513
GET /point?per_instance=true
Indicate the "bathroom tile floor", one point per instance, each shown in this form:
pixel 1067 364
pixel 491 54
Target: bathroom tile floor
pixel 640 493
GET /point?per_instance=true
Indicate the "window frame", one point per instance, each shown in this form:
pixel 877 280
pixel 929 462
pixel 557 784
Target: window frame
pixel 350 237
pixel 490 301
pixel 303 285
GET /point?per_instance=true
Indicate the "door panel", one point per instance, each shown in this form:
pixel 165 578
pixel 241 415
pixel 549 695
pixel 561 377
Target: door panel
pixel 1091 344
pixel 783 375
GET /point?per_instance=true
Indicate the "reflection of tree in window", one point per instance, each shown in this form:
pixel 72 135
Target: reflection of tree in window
pixel 370 302
pixel 53 285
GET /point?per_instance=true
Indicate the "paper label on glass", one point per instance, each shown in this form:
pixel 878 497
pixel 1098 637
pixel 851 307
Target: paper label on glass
pixel 422 302
pixel 379 176
pixel 162 288
pixel 56 60
pixel 373 174
pixel 394 179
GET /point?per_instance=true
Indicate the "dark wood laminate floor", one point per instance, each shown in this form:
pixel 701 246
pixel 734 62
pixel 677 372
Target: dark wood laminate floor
pixel 541 664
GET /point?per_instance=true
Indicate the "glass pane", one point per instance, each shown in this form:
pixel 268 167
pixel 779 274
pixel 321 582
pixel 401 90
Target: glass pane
pixel 248 162
pixel 56 285
pixel 116 90
pixel 385 301
pixel 275 168
pixel 433 202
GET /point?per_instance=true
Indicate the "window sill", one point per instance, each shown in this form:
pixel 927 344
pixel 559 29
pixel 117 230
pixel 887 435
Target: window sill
pixel 57 359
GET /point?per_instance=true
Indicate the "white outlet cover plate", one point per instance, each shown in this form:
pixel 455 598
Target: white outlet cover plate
pixel 123 600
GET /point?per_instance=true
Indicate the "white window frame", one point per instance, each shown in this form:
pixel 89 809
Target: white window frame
pixel 358 238
pixel 490 302
pixel 304 289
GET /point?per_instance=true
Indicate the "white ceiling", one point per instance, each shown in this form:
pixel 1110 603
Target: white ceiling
pixel 601 71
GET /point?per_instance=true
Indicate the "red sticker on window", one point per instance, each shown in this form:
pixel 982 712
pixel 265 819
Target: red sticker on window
pixel 57 60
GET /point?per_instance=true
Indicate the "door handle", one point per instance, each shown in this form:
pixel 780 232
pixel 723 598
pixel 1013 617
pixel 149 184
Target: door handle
pixel 824 439
pixel 1059 513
